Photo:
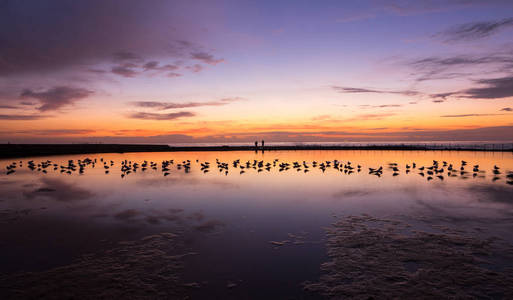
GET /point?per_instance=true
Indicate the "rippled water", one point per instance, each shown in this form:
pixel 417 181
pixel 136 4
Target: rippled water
pixel 256 234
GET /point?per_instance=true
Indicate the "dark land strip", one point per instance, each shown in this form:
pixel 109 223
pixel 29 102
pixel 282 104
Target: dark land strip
pixel 28 150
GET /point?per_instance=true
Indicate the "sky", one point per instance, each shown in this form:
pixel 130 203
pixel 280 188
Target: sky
pixel 159 71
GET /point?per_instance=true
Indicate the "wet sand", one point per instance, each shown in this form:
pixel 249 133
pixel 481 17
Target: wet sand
pixel 367 258
pixel 140 269
pixel 371 258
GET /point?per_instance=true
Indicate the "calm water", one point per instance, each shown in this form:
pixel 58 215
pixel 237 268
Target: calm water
pixel 256 234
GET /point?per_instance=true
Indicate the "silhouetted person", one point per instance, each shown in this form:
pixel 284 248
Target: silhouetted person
pixel 262 144
pixel 256 144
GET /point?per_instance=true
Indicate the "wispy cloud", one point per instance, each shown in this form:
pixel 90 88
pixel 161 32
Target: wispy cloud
pixel 154 66
pixel 21 117
pixel 196 68
pixel 417 7
pixel 57 97
pixel 441 97
pixel 125 70
pixel 380 106
pixel 459 66
pixel 469 115
pixel 56 132
pixel 354 90
pixel 507 109
pixel 435 75
pixel 406 8
pixel 8 107
pixel 206 58
pixel 474 30
pixel 366 117
pixel 461 60
pixel 129 68
pixel 175 105
pixel 349 90
pixel 173 74
pixel 130 65
pixel 494 88
pixel 160 117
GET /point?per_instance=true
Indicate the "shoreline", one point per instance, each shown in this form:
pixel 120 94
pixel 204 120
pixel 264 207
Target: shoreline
pixel 29 150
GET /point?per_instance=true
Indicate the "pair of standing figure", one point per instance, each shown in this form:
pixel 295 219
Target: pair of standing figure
pixel 256 144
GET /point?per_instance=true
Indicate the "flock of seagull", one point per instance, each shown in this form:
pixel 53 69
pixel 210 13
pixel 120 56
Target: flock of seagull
pixel 437 169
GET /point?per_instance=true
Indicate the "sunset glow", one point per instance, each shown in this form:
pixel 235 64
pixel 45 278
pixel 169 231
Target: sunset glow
pixel 235 71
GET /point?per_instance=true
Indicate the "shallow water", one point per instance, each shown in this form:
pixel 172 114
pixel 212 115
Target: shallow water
pixel 257 234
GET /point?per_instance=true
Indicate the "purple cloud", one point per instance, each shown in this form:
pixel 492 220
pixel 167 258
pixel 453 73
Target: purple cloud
pixel 206 58
pixel 475 30
pixel 8 107
pixel 21 117
pixel 96 32
pixel 441 97
pixel 57 97
pixel 56 132
pixel 366 117
pixel 196 68
pixel 494 88
pixel 172 75
pixel 160 117
pixel 380 106
pixel 174 105
pixel 469 115
pixel 353 90
pixel 125 70
pixel 154 66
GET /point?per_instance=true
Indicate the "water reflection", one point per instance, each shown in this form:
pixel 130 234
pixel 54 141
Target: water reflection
pixel 58 190
pixel 437 169
pixel 260 217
